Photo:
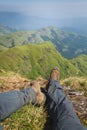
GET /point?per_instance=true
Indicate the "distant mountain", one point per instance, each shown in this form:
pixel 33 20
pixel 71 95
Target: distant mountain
pixel 68 44
pixel 27 22
pixel 11 19
pixel 77 25
pixel 82 31
pixel 36 59
pixel 81 63
pixel 4 29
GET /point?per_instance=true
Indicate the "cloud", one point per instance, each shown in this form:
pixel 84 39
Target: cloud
pixel 51 10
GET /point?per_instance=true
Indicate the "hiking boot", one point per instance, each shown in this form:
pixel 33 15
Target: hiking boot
pixel 40 96
pixel 42 82
pixel 54 75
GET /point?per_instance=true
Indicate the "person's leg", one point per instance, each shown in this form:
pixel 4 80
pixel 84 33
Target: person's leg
pixel 60 108
pixel 1 128
pixel 13 100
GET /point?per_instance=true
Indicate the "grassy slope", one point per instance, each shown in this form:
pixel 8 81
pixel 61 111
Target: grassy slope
pixel 33 60
pixel 81 63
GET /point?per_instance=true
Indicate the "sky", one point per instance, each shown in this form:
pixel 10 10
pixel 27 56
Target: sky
pixel 42 13
pixel 51 9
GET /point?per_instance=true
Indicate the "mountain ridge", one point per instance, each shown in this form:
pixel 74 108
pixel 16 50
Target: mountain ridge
pixel 27 22
pixel 68 44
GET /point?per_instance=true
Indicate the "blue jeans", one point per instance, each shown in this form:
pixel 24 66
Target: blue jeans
pixel 13 100
pixel 62 114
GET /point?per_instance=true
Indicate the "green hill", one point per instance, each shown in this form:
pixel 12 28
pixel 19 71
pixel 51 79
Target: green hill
pixel 68 44
pixel 81 63
pixel 35 59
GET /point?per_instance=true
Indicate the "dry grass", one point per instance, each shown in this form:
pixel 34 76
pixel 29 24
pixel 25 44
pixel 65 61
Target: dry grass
pixel 13 81
pixel 76 83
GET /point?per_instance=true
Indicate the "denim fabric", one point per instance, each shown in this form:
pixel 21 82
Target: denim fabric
pixel 61 109
pixel 13 100
pixel 1 128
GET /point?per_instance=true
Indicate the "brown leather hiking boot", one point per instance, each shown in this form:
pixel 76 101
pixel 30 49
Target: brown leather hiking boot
pixel 54 75
pixel 40 96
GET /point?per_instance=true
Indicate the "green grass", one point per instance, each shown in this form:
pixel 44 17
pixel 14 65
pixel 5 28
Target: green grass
pixel 29 117
pixel 81 63
pixel 34 60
